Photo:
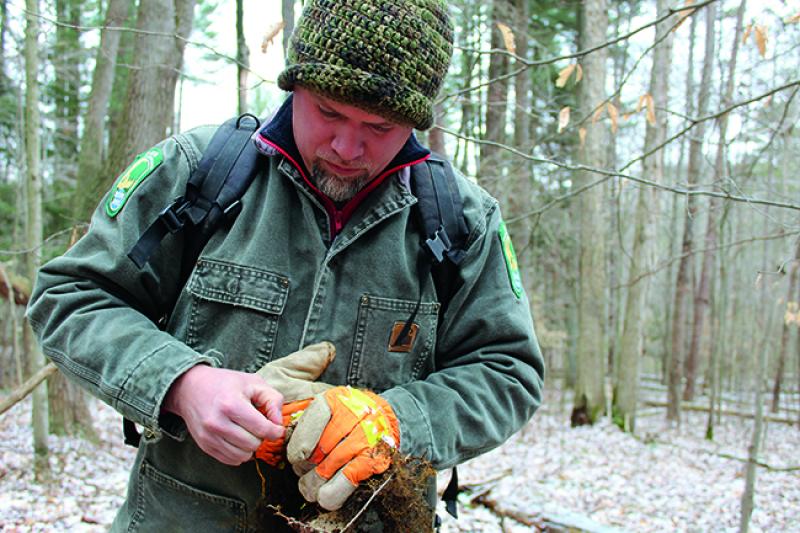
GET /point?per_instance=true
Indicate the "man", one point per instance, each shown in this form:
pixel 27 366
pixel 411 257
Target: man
pixel 326 248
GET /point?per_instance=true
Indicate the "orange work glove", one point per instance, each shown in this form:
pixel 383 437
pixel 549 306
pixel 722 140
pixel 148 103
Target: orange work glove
pixel 334 446
pixel 273 452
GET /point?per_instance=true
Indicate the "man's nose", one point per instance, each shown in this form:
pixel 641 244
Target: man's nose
pixel 347 144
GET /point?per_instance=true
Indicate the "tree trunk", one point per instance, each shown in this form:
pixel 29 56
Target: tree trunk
pixel 591 343
pixel 287 12
pixel 34 226
pixel 90 158
pixel 150 101
pixel 242 57
pixel 682 286
pixel 496 100
pixel 67 58
pixel 625 390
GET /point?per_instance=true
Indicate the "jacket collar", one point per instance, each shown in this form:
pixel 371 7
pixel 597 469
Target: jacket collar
pixel 277 136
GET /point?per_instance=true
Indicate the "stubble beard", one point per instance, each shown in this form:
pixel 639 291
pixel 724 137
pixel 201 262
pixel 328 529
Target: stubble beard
pixel 335 187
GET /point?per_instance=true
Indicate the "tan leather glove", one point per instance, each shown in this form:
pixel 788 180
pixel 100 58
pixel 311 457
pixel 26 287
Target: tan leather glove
pixel 295 375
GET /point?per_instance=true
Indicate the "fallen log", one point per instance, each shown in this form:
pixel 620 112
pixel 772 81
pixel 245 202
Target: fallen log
pixel 18 394
pixel 727 412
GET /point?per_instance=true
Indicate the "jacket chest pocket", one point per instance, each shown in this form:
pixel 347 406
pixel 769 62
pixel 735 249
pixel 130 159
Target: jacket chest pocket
pixel 235 310
pixel 380 360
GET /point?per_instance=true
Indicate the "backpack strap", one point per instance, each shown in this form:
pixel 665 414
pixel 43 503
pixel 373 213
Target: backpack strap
pixel 212 195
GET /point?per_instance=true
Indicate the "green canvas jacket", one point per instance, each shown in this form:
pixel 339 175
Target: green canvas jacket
pixel 271 283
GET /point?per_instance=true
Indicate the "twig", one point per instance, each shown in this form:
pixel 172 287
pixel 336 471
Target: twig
pixel 369 501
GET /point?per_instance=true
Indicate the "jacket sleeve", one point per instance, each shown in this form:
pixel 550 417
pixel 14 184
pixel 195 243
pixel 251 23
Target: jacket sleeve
pixel 489 369
pixel 94 312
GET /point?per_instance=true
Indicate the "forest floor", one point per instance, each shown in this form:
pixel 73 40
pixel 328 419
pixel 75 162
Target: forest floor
pixel 595 478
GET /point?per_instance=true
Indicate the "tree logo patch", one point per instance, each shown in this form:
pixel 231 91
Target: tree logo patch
pixel 511 260
pixel 144 164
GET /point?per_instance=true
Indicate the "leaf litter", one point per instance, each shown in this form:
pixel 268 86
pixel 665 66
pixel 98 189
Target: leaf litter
pixel 664 478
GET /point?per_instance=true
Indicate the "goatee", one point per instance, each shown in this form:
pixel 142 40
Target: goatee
pixel 337 188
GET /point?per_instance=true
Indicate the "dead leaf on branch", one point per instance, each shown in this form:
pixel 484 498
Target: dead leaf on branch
pixel 613 114
pixel 508 37
pixel 760 35
pixel 270 35
pixel 793 20
pixel 597 113
pixel 579 75
pixel 651 110
pixel 563 119
pixel 564 75
pixel 688 13
pixel 747 31
pixel 582 135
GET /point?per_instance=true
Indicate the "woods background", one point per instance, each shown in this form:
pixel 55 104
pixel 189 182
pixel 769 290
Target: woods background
pixel 644 154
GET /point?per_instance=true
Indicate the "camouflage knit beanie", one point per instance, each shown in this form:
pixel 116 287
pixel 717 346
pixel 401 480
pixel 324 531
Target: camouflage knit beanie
pixel 388 57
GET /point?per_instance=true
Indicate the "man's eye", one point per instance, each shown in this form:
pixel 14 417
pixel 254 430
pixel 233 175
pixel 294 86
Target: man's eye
pixel 328 112
pixel 377 128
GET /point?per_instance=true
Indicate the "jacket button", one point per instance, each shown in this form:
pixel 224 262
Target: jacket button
pixel 364 300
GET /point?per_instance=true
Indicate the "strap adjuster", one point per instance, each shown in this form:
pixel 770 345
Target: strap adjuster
pixel 171 216
pixel 439 245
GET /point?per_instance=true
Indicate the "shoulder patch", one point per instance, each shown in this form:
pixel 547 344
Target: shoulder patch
pixel 511 260
pixel 144 164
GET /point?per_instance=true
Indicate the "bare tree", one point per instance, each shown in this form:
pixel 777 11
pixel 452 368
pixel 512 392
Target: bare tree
pixel 164 28
pixel 34 225
pixel 591 343
pixel 682 284
pixel 627 368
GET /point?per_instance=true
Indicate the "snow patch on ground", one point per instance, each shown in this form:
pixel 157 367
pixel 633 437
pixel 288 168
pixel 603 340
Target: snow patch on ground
pixel 662 479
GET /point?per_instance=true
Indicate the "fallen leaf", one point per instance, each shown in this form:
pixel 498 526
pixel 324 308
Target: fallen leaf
pixel 564 75
pixel 270 35
pixel 613 114
pixel 563 119
pixel 508 37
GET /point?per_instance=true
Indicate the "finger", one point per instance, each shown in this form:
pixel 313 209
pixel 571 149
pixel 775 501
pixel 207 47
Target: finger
pixel 226 453
pixel 334 493
pixel 308 430
pixel 348 449
pixel 239 437
pixel 344 422
pixel 309 363
pixel 269 400
pixel 260 426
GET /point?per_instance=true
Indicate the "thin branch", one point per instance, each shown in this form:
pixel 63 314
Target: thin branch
pixel 667 262
pixel 528 63
pixel 47 240
pixel 186 40
pixel 18 394
pixel 695 121
pixel 608 174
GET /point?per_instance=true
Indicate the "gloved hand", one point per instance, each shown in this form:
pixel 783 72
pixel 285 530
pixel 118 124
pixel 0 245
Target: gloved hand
pixel 335 445
pixel 273 452
pixel 294 376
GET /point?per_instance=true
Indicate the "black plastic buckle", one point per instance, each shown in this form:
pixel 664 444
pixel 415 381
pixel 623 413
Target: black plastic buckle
pixel 439 245
pixel 172 217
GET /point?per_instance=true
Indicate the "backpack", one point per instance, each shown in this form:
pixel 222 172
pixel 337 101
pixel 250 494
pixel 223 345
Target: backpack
pixel 213 199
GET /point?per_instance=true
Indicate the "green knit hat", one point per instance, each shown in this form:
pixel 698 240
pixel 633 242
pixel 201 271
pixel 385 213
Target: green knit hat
pixel 388 57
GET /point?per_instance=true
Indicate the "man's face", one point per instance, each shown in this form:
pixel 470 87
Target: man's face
pixel 342 146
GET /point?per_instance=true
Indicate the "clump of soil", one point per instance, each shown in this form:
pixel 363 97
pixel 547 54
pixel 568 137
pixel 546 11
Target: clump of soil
pixel 397 500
